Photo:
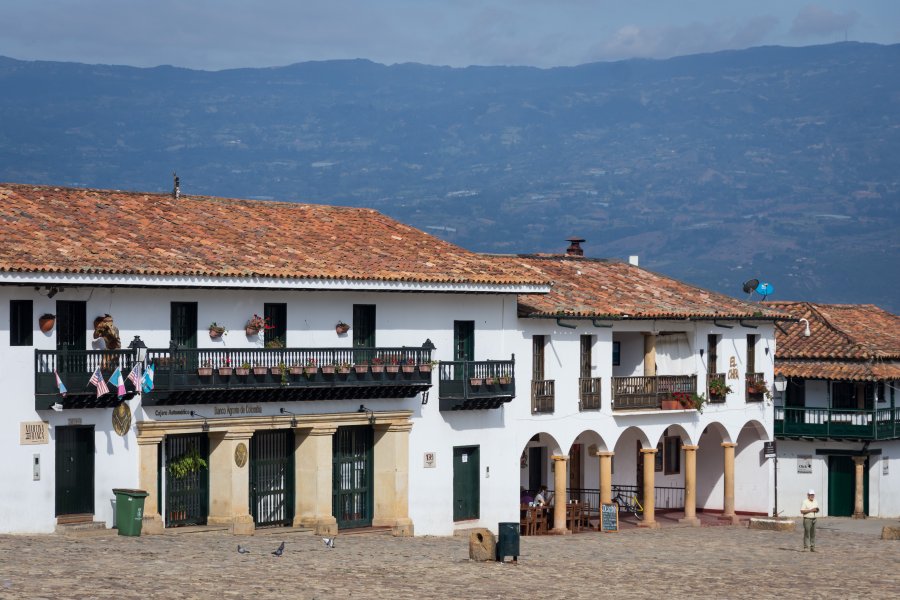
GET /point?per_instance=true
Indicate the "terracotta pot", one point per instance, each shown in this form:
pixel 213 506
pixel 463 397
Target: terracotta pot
pixel 296 370
pixel 260 370
pixel 392 368
pixel 360 369
pixel 475 381
pixel 241 371
pixel 225 371
pixel 204 371
pixel 328 369
pixel 342 328
pixel 425 368
pixel 46 323
pixel 378 368
pixel 671 405
pixel 251 331
pixel 409 368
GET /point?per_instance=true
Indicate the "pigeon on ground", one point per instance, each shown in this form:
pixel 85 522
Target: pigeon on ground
pixel 280 550
pixel 329 542
pixel 242 550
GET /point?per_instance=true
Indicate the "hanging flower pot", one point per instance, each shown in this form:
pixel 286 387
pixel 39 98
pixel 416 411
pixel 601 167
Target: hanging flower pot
pixel 46 322
pixel 341 328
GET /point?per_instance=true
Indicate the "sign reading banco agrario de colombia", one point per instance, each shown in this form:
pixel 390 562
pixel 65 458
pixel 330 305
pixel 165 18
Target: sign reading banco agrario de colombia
pixel 235 410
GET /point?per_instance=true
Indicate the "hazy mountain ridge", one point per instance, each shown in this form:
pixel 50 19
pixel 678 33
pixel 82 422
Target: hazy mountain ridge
pixel 777 163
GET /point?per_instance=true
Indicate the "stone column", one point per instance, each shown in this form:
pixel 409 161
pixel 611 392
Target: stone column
pixel 148 447
pixel 649 355
pixel 313 479
pixel 859 507
pixel 391 478
pixel 728 501
pixel 560 470
pixel 229 481
pixel 649 457
pixel 605 476
pixel 690 486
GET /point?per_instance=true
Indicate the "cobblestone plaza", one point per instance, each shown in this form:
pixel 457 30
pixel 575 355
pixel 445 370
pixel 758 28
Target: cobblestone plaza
pixel 711 562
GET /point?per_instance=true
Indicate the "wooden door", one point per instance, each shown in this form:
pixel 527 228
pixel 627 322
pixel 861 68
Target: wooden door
pixel 466 489
pixel 352 477
pixel 74 470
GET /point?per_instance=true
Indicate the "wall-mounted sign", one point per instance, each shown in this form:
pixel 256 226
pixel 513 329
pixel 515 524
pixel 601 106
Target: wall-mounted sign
pixel 769 449
pixel 884 465
pixel 74 421
pixel 34 432
pixel 121 419
pixel 430 460
pixel 804 464
pixel 733 368
pixel 240 455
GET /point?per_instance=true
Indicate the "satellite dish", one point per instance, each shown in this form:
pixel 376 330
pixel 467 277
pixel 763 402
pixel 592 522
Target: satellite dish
pixel 750 286
pixel 764 289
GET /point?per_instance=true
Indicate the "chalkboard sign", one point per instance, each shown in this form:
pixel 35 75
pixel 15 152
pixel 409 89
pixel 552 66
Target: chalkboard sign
pixel 609 517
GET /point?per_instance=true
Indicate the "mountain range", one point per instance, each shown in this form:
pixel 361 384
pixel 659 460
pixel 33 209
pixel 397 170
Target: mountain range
pixel 774 163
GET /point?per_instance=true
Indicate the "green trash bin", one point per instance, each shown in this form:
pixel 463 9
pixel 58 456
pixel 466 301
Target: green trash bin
pixel 508 541
pixel 129 510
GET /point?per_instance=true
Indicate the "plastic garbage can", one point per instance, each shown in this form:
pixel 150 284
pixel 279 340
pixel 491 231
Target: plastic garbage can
pixel 508 541
pixel 129 510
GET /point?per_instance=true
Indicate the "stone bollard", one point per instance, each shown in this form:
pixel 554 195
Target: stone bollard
pixel 482 545
pixel 772 524
pixel 890 533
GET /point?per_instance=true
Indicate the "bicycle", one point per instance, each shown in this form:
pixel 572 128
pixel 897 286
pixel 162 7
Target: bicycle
pixel 629 503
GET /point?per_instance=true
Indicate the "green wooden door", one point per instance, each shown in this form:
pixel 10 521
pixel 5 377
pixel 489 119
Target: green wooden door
pixel 272 478
pixel 183 324
pixel 74 470
pixel 463 346
pixel 71 335
pixel 352 474
pixel 187 495
pixel 466 490
pixel 363 325
pixel 841 482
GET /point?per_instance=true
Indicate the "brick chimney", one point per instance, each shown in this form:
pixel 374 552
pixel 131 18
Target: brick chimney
pixel 574 248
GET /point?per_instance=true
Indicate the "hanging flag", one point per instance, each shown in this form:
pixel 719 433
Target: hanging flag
pixel 135 376
pixel 62 389
pixel 97 381
pixel 147 381
pixel 116 380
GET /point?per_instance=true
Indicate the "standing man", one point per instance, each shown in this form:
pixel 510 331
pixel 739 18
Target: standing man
pixel 809 509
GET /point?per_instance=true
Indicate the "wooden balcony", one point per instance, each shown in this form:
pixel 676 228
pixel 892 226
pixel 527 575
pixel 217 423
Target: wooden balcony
pixel 837 423
pixel 542 396
pixel 634 393
pixel 755 385
pixel 197 376
pixel 589 393
pixel 476 385
pixel 717 378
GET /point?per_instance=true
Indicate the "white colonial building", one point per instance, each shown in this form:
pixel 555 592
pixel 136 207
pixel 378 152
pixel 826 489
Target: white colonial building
pixel 837 421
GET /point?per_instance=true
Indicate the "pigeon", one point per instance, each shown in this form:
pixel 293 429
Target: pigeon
pixel 280 550
pixel 329 542
pixel 242 550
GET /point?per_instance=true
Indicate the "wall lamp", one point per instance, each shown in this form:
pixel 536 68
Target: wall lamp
pixel 140 348
pixel 805 329
pixel 293 417
pixel 205 426
pixel 369 413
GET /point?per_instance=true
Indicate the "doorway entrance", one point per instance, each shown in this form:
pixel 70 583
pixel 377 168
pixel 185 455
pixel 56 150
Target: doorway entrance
pixel 842 486
pixel 75 470
pixel 352 500
pixel 187 487
pixel 466 489
pixel 272 478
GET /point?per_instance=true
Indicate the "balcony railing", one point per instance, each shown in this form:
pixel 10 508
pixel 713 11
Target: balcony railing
pixel 589 393
pixel 846 423
pixel 648 392
pixel 712 380
pixel 191 375
pixel 756 387
pixel 542 396
pixel 476 384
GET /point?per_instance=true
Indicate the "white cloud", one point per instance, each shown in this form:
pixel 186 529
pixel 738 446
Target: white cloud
pixel 814 20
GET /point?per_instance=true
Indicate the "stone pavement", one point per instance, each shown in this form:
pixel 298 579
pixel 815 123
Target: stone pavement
pixel 707 562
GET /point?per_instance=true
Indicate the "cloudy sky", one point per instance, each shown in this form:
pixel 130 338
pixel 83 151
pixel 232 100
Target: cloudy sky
pixel 220 34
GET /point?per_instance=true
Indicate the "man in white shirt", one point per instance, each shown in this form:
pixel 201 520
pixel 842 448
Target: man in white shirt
pixel 809 509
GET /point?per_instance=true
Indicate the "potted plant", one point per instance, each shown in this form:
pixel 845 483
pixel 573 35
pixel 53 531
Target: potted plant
pixel 476 381
pixel 691 401
pixel 46 322
pixel 311 368
pixel 243 370
pixel 670 403
pixel 187 464
pixel 256 323
pixel 759 388
pixel 425 367
pixel 378 364
pixel 343 368
pixel 392 363
pixel 275 343
pixel 216 331
pixel 205 368
pixel 409 365
pixel 329 368
pixel 225 368
pixel 341 328
pixel 361 367
pixel 296 369
pixel 260 369
pixel 718 388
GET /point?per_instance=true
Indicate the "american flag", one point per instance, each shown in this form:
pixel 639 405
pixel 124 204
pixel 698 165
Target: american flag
pixel 97 382
pixel 135 376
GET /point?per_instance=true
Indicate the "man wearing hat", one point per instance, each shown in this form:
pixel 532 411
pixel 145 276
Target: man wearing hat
pixel 809 509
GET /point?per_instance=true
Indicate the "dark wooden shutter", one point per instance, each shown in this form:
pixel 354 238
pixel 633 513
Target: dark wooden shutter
pixel 276 315
pixel 363 325
pixel 21 327
pixel 183 324
pixel 537 358
pixel 586 343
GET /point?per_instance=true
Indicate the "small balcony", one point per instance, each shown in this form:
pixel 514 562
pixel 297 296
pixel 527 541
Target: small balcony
pixel 589 393
pixel 476 384
pixel 543 395
pixel 756 387
pixel 837 423
pixel 648 392
pixel 716 381
pixel 196 376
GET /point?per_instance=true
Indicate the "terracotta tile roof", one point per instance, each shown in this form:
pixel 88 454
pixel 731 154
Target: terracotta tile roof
pixel 66 230
pixel 847 341
pixel 587 287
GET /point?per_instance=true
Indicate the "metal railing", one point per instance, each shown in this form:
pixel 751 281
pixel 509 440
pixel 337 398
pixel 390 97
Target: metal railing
pixel 666 497
pixel 636 392
pixel 864 424
pixel 476 379
pixel 542 396
pixel 75 369
pixel 717 379
pixel 589 393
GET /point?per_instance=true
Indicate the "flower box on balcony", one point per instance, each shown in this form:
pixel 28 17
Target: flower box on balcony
pixel 504 380
pixel 204 371
pixel 343 369
pixel 671 404
pixel 225 371
pixel 392 368
pixel 242 371
pixel 258 370
pixel 360 368
pixel 276 370
pixel 476 381
pixel 425 368
pixel 296 370
pixel 328 369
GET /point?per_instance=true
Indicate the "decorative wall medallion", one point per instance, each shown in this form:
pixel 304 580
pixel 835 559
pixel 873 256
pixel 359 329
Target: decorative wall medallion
pixel 121 419
pixel 240 454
